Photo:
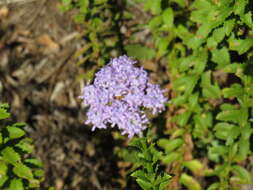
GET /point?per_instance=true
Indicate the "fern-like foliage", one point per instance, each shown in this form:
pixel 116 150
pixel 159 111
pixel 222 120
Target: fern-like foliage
pixel 18 170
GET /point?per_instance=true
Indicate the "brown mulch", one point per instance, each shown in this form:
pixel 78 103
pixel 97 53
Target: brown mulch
pixel 40 81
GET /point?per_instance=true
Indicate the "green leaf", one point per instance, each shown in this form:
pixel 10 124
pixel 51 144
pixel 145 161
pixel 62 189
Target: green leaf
pixel 212 154
pixel 3 179
pixel 186 84
pixel 195 166
pixel 225 107
pixel 3 168
pixel 154 6
pixel 209 90
pixel 241 46
pixel 164 181
pixel 170 145
pixel 239 6
pixel 229 115
pixel 182 32
pixel 140 174
pixel 140 52
pixel 23 171
pixel 212 92
pixel 15 132
pixel 10 155
pixel 228 26
pixel 162 45
pixel 4 113
pixel 221 57
pixel 171 157
pixel 39 173
pixel 235 90
pixel 226 131
pixel 168 18
pixel 144 184
pixel 189 182
pixel 214 186
pixel 84 6
pixel 234 68
pixel 201 124
pixel 34 183
pixel 183 118
pixel 155 22
pixel 242 174
pixel 34 162
pixel 200 61
pixel 219 149
pixel 244 150
pixel 16 184
pixel 26 145
pixel 247 19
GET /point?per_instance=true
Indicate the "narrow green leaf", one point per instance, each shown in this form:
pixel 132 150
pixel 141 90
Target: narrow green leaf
pixel 235 90
pixel 214 186
pixel 25 145
pixel 3 168
pixel 4 114
pixel 229 115
pixel 221 57
pixel 228 26
pixel 140 174
pixel 39 173
pixel 242 174
pixel 15 132
pixel 244 150
pixel 10 155
pixel 171 157
pixel 168 18
pixel 195 166
pixel 189 182
pixel 3 179
pixel 144 184
pixel 170 145
pixel 23 171
pixel 34 162
pixel 226 131
pixel 154 6
pixel 16 184
pixel 166 181
pixel 186 84
pixel 241 46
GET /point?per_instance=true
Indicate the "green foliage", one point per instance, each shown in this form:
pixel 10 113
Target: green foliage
pixel 209 50
pixel 100 31
pixel 17 170
pixel 146 159
pixel 208 45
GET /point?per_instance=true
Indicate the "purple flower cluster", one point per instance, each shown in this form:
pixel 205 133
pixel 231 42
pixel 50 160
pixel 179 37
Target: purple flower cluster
pixel 118 95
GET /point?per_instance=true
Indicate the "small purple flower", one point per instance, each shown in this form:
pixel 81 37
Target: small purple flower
pixel 118 95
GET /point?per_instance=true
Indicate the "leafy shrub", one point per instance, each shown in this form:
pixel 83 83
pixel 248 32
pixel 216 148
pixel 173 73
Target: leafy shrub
pixel 145 161
pixel 100 22
pixel 208 45
pixel 18 170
